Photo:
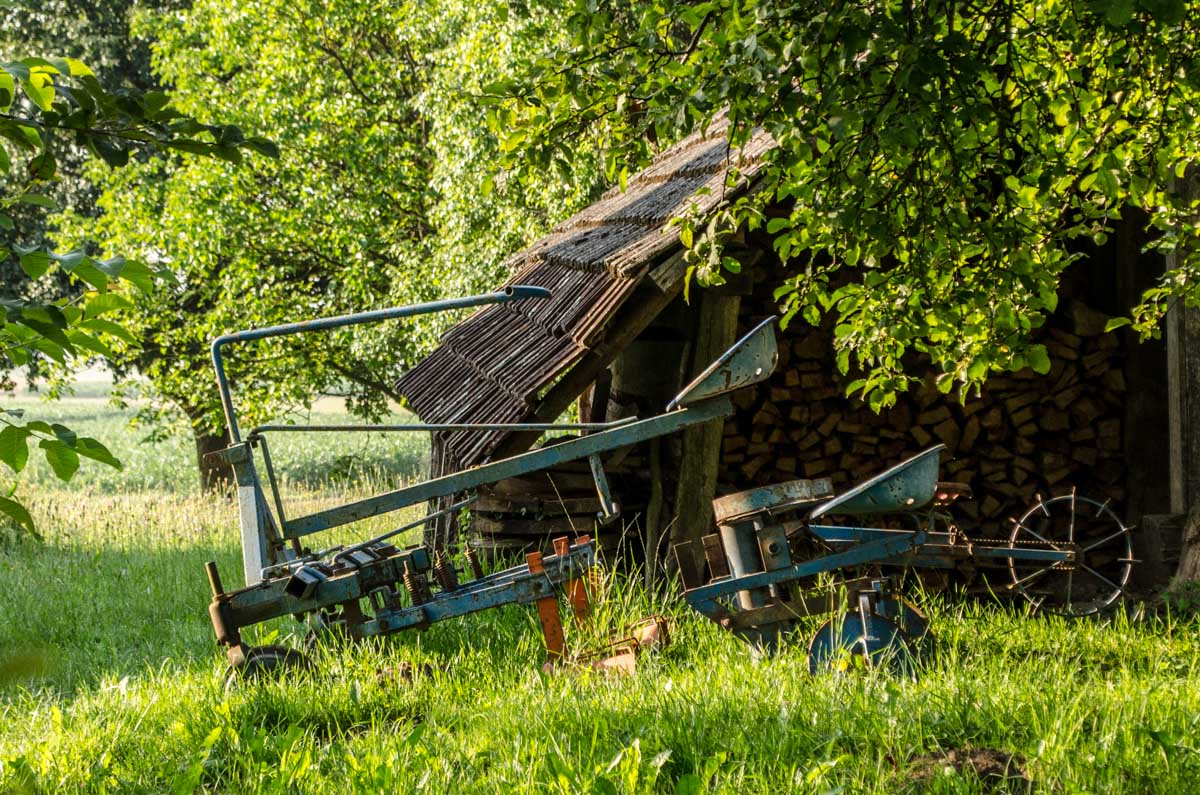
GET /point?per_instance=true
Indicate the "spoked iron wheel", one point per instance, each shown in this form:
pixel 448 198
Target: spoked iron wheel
pixel 1103 547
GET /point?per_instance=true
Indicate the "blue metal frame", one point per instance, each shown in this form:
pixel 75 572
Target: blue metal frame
pixel 282 578
pixel 755 590
pixel 269 540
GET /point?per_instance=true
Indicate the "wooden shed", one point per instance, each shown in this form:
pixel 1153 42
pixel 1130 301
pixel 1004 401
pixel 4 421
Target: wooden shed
pixel 618 337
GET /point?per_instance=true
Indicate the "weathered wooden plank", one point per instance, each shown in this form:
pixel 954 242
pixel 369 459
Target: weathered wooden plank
pixel 716 330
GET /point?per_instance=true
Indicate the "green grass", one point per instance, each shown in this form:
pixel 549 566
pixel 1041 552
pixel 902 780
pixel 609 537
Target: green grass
pixel 123 688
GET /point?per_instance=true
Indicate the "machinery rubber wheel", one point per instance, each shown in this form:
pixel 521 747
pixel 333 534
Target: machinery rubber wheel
pixel 857 638
pixel 1104 556
pixel 262 662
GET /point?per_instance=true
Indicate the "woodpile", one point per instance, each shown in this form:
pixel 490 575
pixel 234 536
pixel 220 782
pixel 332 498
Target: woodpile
pixel 524 514
pixel 1026 434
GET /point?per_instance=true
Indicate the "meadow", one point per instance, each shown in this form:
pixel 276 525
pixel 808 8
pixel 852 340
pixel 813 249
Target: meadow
pixel 110 680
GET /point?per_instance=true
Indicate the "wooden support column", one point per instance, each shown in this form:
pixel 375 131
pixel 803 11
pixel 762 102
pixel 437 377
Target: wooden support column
pixel 1183 406
pixel 1145 421
pixel 1183 386
pixel 716 330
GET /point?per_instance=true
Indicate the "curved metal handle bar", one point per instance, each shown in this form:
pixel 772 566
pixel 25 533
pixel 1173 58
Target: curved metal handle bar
pixel 516 292
pixel 447 426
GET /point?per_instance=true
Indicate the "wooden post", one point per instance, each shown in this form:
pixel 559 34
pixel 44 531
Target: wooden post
pixel 1145 421
pixel 716 330
pixel 1183 406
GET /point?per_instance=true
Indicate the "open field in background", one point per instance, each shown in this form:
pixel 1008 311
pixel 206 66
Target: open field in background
pixel 122 686
pixel 308 461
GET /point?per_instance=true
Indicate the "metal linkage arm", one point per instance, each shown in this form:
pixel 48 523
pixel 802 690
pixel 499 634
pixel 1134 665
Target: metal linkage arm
pixel 525 463
pixel 705 598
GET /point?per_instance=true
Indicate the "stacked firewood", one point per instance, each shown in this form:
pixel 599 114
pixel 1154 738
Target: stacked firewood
pixel 1025 435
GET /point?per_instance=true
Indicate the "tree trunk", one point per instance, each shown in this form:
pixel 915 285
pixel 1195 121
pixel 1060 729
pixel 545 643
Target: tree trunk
pixel 215 474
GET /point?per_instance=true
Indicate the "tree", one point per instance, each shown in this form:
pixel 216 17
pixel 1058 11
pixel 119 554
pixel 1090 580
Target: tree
pixel 43 104
pixel 939 158
pixel 376 197
pixel 97 35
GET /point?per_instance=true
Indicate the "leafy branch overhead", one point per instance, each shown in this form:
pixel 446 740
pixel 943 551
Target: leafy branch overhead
pixel 938 164
pixel 46 107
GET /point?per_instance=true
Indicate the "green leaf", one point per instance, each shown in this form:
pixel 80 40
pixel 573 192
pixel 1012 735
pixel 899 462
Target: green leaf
pixel 44 166
pixel 88 342
pixel 64 434
pixel 8 91
pixel 16 511
pixel 38 200
pixel 262 146
pixel 155 101
pixel 689 784
pixel 112 267
pixel 39 87
pixel 35 263
pixel 90 448
pixel 1039 360
pixel 62 459
pixel 192 147
pixel 78 68
pixel 90 274
pixel 102 303
pixel 70 260
pixel 16 69
pixel 103 326
pixel 1116 323
pixel 136 273
pixel 24 135
pixel 1118 12
pixel 116 156
pixel 228 153
pixel 14 447
pixel 50 348
pixel 44 314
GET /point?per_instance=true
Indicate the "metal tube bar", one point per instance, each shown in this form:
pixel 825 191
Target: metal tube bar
pixel 863 553
pixel 450 426
pixel 525 463
pixel 272 482
pixel 521 591
pixel 939 543
pixel 514 293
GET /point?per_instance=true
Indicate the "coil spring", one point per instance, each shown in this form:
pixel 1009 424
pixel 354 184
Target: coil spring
pixel 443 569
pixel 417 585
pixel 473 561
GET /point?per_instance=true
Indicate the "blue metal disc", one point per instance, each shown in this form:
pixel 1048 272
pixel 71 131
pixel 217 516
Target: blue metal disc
pixel 859 639
pixel 911 620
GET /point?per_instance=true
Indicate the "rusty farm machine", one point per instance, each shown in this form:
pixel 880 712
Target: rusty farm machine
pixel 769 564
pixel 776 559
pixel 372 587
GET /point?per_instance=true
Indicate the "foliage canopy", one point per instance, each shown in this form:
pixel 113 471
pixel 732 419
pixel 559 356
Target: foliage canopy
pixel 939 158
pixel 47 105
pixel 375 199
